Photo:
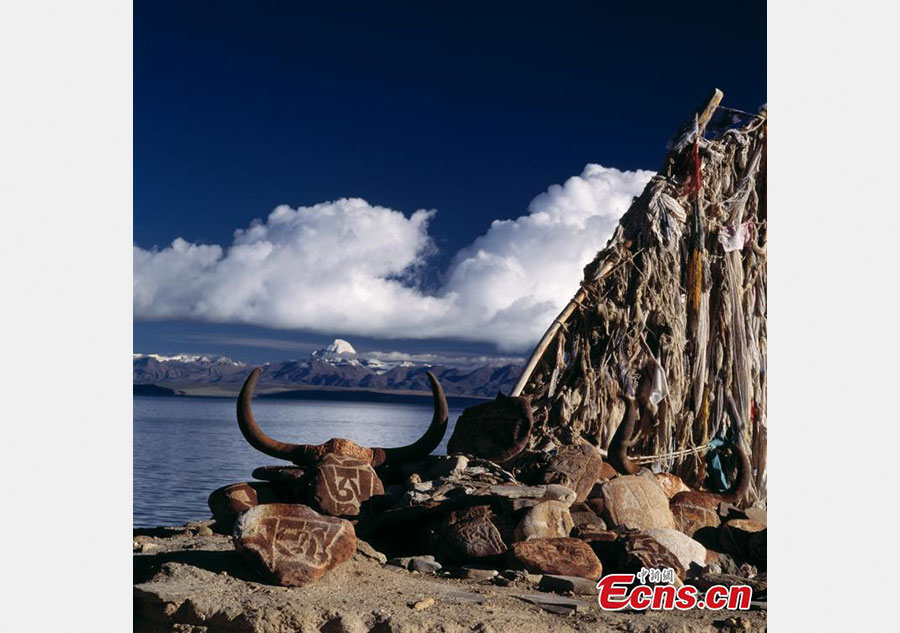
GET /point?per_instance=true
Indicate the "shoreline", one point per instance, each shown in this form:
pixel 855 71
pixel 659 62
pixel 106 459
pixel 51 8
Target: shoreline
pixel 316 394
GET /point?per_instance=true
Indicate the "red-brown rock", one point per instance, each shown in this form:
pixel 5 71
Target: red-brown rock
pixel 694 510
pixel 292 544
pixel 342 484
pixel 578 466
pixel 636 502
pixel 496 430
pixel 227 502
pixel 471 534
pixel 643 550
pixel 671 484
pixel 734 536
pixel 756 548
pixel 562 556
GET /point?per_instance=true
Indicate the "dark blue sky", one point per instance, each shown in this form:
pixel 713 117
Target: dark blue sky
pixel 468 108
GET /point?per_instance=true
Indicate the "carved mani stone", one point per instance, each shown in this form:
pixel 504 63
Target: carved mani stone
pixel 562 556
pixel 342 483
pixel 547 519
pixel 496 430
pixel 578 466
pixel 471 534
pixel 694 510
pixel 292 544
pixel 643 550
pixel 636 502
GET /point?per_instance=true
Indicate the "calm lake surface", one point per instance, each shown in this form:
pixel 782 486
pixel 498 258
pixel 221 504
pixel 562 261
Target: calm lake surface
pixel 184 448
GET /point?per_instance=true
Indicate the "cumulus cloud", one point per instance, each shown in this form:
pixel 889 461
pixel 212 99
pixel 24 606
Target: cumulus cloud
pixel 351 268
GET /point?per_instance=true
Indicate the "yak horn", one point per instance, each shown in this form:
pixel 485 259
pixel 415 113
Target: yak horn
pixel 741 484
pixel 617 454
pixel 429 441
pixel 306 453
pixel 297 453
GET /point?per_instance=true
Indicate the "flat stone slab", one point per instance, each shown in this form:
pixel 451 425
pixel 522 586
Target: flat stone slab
pixel 574 584
pixel 554 603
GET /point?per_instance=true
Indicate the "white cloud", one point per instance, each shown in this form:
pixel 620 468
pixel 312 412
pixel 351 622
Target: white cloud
pixel 350 268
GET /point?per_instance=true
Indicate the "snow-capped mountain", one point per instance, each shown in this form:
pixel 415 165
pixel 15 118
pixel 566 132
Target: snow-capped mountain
pixel 338 365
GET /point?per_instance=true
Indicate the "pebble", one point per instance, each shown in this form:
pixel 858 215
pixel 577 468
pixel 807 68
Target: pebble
pixel 423 604
pixel 475 573
pixel 424 564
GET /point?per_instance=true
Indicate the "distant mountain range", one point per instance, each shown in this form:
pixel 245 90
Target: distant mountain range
pixel 337 367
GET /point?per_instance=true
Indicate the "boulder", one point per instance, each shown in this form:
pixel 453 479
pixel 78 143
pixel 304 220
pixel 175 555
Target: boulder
pixel 671 484
pixel 756 548
pixel 227 502
pixel 578 466
pixel 734 536
pixel 496 430
pixel 560 556
pixel 547 519
pixel 636 502
pixel 688 551
pixel 586 518
pixel 342 484
pixel 470 534
pixel 292 544
pixel 639 549
pixel 279 473
pixel 694 511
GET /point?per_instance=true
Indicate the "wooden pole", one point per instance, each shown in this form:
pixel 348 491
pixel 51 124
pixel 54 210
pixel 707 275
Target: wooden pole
pixel 703 114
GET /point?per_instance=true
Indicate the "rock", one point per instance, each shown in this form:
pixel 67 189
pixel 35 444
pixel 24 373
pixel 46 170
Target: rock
pixel 688 551
pixel 587 520
pixel 400 561
pixel 279 473
pixel 693 511
pixel 560 492
pixel 548 519
pixel 496 431
pixel 461 597
pixel 424 564
pixel 757 514
pixel 643 550
pixel 562 556
pixel 423 604
pixel 589 533
pixel 471 534
pixel 574 584
pixel 596 506
pixel 756 548
pixel 734 536
pixel 554 604
pixel 368 551
pixel 227 502
pixel 292 544
pixel 204 530
pixel 671 484
pixel 342 483
pixel 578 466
pixel 474 573
pixel 636 502
pixel 447 466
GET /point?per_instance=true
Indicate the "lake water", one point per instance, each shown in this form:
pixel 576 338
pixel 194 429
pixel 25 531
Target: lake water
pixel 184 448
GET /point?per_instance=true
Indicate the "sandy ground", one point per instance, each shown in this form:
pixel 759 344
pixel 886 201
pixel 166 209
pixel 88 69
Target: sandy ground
pixel 194 583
